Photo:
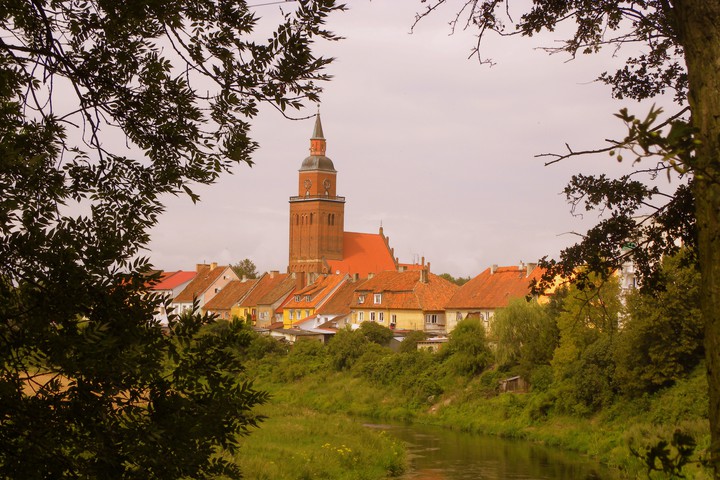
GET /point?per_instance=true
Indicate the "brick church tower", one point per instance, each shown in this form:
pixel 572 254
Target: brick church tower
pixel 316 213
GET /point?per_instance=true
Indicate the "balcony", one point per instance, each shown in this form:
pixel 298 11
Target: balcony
pixel 307 198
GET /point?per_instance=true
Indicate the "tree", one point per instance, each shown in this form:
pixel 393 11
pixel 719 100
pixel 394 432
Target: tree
pixel 467 351
pixel 457 281
pixel 245 268
pixel 526 335
pixel 346 347
pixel 661 339
pixel 679 44
pixel 104 108
pixel 376 333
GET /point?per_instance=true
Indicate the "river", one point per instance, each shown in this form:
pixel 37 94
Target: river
pixel 440 454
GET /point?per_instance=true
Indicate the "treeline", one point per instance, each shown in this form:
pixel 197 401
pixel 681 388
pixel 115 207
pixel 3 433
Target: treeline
pixel 586 354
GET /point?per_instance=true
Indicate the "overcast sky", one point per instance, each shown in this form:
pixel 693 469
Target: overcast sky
pixel 437 148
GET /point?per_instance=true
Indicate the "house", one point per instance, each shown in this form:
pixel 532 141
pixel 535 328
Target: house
pixel 234 292
pixel 208 281
pixel 407 300
pixel 483 295
pixel 261 303
pixel 169 285
pixel 305 302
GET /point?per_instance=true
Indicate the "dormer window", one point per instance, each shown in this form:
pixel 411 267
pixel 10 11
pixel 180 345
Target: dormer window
pixel 377 298
pixel 297 298
pixel 361 298
pixel 307 298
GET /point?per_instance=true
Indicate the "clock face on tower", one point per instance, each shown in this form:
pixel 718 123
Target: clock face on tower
pixel 308 184
pixel 326 184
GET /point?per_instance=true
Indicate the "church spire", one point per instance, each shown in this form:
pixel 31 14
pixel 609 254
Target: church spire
pixel 317 142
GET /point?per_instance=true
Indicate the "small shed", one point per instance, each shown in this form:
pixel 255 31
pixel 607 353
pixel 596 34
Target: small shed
pixel 515 384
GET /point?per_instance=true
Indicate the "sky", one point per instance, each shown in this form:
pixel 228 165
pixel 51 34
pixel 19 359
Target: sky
pixel 437 148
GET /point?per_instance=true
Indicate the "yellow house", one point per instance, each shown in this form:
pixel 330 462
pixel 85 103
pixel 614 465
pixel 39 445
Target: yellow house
pixel 408 300
pixel 305 302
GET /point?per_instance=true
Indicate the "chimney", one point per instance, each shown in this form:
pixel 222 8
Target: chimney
pixel 423 275
pixel 493 269
pixel 244 279
pixel 530 268
pixel 213 266
pixel 274 272
pixel 401 268
pixel 355 277
pixel 201 266
pixel 422 262
pixel 370 275
pixel 428 267
pixel 521 266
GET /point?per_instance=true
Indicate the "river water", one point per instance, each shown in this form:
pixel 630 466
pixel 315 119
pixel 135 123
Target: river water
pixel 439 454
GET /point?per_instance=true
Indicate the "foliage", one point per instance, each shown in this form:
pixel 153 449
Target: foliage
pixel 245 269
pixel 467 352
pixel 409 344
pixel 90 386
pixel 376 333
pixel 661 339
pixel 669 457
pixel 460 281
pixel 346 347
pixel 526 335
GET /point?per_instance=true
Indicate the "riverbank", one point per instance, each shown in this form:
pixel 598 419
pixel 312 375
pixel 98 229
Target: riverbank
pixel 469 405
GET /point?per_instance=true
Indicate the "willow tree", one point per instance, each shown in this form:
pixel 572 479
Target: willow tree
pixel 105 108
pixel 679 52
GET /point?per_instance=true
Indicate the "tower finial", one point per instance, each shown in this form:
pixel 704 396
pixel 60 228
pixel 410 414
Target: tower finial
pixel 317 141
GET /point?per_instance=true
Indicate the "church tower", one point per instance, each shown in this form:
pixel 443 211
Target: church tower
pixel 316 213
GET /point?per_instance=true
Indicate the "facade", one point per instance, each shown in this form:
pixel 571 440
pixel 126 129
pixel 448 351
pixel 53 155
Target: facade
pixel 268 294
pixel 303 303
pixel 489 291
pixel 170 286
pixel 222 303
pixel 408 300
pixel 208 281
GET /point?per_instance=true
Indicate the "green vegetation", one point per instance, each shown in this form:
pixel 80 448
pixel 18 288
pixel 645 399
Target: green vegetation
pixel 300 443
pixel 107 109
pixel 636 413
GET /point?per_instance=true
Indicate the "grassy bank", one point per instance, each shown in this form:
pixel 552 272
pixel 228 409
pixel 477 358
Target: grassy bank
pixel 299 443
pixel 469 405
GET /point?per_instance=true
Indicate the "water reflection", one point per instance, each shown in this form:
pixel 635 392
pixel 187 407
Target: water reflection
pixel 438 454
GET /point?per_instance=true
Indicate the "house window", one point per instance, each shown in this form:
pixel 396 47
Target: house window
pixel 431 318
pixel 307 298
pixel 217 290
pixel 297 298
pixel 361 316
pixel 381 317
pixel 458 316
pixel 307 313
pixel 361 298
pixel 291 314
pixel 393 319
pixel 372 316
pixel 377 298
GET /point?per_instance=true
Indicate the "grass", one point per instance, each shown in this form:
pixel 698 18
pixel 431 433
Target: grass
pixel 296 443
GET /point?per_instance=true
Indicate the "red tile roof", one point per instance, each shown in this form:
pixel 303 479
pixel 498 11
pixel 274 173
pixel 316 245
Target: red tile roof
pixel 494 290
pixel 363 253
pixel 171 280
pixel 204 278
pixel 339 303
pixel 231 294
pixel 405 291
pixel 317 292
pixel 269 285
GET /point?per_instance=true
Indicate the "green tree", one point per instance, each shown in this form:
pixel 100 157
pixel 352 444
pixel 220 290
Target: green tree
pixel 346 347
pixel 90 386
pixel 583 362
pixel 245 268
pixel 457 281
pixel 409 344
pixel 376 333
pixel 661 339
pixel 526 335
pixel 675 46
pixel 467 351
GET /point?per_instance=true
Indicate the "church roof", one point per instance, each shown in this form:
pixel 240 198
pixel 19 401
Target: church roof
pixel 317 159
pixel 318 162
pixel 363 253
